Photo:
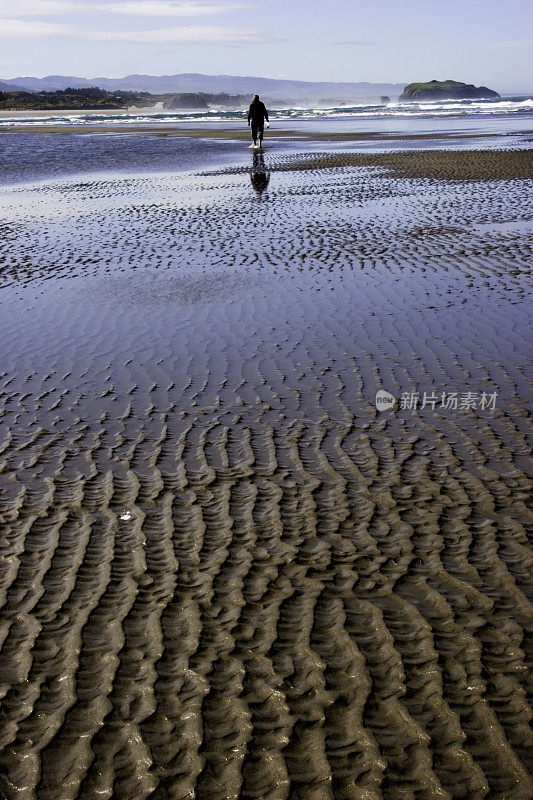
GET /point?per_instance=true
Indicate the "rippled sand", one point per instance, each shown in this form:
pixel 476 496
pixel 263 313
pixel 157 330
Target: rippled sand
pixel 224 574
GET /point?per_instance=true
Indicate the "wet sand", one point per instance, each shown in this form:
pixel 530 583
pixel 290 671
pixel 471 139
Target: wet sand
pixel 448 165
pixel 236 132
pixel 224 573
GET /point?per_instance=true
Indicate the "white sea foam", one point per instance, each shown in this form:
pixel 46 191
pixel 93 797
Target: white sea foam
pixel 364 110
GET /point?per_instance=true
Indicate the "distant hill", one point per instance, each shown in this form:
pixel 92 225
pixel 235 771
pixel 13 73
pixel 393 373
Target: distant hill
pixel 81 99
pixel 9 86
pixel 95 98
pixel 446 90
pixel 272 88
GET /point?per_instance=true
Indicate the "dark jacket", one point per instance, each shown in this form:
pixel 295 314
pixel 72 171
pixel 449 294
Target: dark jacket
pixel 257 112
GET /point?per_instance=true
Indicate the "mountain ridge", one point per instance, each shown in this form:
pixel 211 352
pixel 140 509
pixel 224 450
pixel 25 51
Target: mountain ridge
pixel 275 88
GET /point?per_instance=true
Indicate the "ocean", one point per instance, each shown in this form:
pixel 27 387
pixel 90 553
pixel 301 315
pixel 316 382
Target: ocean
pixel 507 107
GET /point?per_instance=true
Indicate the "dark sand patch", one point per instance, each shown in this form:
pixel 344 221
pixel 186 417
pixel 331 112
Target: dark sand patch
pixel 468 165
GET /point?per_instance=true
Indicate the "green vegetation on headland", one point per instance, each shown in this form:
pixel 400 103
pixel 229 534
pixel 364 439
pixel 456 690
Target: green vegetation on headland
pixel 446 90
pixel 95 99
pixel 72 99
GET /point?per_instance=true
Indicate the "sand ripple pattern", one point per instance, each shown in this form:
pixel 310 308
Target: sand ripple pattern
pixel 223 573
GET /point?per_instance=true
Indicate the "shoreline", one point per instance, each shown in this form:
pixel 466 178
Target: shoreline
pixel 243 133
pixel 51 112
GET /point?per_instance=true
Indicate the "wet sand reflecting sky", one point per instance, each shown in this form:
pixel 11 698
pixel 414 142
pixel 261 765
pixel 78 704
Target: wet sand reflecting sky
pixel 224 573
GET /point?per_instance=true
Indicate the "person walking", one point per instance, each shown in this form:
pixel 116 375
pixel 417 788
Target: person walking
pixel 257 114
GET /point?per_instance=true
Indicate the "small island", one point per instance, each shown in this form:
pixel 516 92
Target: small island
pixel 446 90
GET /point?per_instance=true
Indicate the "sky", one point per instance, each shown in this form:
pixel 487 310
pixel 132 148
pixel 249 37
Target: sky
pixel 485 42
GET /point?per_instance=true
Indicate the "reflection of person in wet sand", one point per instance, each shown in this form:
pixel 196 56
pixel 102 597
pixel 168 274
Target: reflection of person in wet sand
pixel 257 114
pixel 259 175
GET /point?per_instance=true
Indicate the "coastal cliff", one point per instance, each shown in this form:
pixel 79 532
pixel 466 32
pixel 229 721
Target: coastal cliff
pixel 187 100
pixel 203 101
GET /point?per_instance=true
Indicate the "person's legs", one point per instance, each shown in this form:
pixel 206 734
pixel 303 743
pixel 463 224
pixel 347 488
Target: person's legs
pixel 254 132
pixel 261 132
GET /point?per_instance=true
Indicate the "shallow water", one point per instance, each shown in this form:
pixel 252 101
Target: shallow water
pixel 30 156
pixel 224 572
pixel 34 156
pixel 515 226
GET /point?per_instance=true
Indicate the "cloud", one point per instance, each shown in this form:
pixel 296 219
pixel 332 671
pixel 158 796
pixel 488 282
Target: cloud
pixel 192 34
pixel 167 8
pixel 33 7
pixel 19 29
pixel 357 42
pixel 141 8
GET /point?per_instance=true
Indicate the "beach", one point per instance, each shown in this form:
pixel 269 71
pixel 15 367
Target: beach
pixel 227 569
